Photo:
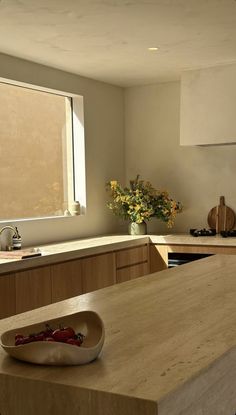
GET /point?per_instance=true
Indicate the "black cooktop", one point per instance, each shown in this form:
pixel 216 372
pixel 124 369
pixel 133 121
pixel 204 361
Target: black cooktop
pixel 212 232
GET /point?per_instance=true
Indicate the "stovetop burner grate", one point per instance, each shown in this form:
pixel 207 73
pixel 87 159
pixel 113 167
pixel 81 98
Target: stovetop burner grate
pixel 225 234
pixel 203 232
pixel 212 232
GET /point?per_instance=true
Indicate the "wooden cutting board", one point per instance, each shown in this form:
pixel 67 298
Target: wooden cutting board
pixel 21 254
pixel 221 217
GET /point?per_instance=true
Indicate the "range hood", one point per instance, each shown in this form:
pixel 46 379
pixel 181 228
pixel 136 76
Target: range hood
pixel 208 106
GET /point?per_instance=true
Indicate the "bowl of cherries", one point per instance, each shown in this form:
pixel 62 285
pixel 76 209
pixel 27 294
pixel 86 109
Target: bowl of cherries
pixel 69 340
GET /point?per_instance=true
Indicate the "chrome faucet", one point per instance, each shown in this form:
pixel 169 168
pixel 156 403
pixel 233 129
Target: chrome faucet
pixel 15 234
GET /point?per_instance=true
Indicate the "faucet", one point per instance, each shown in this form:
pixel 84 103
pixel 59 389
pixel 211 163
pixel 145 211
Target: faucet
pixel 8 247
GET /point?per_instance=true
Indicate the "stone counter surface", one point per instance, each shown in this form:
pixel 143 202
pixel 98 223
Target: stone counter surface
pixel 70 250
pixel 169 349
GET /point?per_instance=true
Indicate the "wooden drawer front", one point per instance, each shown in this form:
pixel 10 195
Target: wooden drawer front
pixel 66 280
pixel 33 289
pixel 131 256
pixel 129 273
pixel 7 296
pixel 98 272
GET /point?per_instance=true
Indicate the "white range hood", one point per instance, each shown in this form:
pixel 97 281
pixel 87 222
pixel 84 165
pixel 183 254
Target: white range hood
pixel 208 106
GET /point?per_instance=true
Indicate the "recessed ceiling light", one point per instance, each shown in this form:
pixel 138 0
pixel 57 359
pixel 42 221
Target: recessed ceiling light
pixel 153 49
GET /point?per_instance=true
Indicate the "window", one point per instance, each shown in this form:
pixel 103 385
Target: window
pixel 42 168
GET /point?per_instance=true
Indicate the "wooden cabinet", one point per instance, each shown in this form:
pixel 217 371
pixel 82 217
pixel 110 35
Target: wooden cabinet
pixel 159 253
pixel 202 249
pixel 130 256
pixel 66 280
pixel 98 272
pixel 37 287
pixel 73 278
pixel 132 263
pixel 131 272
pixel 33 288
pixel 158 257
pixel 7 295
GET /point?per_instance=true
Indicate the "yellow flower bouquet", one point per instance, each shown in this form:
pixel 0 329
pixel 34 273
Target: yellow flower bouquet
pixel 141 201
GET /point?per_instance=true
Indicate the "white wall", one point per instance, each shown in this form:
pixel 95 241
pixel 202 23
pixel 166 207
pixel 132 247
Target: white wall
pixel 104 135
pixel 197 176
pixel 208 105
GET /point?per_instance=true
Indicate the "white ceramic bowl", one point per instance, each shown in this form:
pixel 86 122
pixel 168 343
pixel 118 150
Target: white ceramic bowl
pixel 55 353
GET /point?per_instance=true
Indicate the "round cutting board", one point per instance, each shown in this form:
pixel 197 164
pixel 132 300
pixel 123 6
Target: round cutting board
pixel 221 217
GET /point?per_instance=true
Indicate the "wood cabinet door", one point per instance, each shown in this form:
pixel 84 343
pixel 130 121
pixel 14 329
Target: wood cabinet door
pixel 66 280
pixel 131 256
pixel 158 257
pixel 98 272
pixel 132 263
pixel 7 295
pixel 134 271
pixel 33 289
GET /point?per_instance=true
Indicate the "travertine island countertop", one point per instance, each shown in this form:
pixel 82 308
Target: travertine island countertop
pixel 169 349
pixel 68 250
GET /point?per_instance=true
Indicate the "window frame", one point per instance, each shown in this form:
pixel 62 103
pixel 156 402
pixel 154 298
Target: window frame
pixel 77 144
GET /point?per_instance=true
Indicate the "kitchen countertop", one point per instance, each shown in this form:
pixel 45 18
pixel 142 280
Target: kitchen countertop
pixel 69 250
pixel 187 239
pixel 169 349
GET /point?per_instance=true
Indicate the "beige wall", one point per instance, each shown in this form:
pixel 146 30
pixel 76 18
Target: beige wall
pixel 104 135
pixel 197 176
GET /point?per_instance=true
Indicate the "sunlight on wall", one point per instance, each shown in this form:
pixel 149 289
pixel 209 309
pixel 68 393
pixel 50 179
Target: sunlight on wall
pixel 34 132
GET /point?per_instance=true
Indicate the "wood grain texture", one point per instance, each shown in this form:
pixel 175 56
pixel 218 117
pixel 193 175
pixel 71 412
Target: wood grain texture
pixel 169 349
pixel 158 257
pixel 98 272
pixel 129 273
pixel 221 217
pixel 66 283
pixel 59 399
pixel 45 285
pixel 66 280
pixel 19 254
pixel 33 289
pixel 73 250
pixel 7 295
pixel 204 249
pixel 130 256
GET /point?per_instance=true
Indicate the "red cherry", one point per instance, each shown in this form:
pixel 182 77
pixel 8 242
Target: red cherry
pixel 18 336
pixel 61 335
pixel 39 337
pixel 48 332
pixel 19 341
pixel 74 342
pixel 28 339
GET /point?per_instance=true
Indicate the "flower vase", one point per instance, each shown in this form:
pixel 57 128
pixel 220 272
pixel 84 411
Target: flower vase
pixel 137 228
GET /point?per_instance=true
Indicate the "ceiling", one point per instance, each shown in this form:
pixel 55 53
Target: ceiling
pixel 108 40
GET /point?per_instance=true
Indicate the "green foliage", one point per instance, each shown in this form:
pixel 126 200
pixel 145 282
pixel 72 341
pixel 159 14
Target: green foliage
pixel 141 201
